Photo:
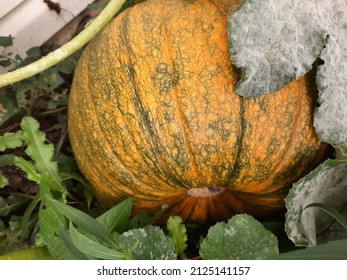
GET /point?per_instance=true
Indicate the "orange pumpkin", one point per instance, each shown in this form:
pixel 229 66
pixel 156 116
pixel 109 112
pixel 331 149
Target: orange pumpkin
pixel 153 115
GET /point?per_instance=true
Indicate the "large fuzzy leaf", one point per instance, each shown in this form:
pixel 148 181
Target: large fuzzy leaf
pixel 327 185
pixel 275 42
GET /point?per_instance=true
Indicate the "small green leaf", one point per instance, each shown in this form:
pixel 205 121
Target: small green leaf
pixel 34 52
pixel 242 237
pixel 333 250
pixel 3 181
pixel 6 41
pixel 148 243
pixel 94 249
pixel 28 168
pixel 11 140
pixel 178 233
pixel 117 218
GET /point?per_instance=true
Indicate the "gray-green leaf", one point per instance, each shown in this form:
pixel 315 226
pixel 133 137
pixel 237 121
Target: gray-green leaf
pixel 326 184
pixel 275 42
pixel 242 237
pixel 148 243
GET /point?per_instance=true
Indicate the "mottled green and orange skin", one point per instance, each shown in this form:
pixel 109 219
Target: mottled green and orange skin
pixel 153 113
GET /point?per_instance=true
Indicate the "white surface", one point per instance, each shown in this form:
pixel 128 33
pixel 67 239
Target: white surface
pixel 7 6
pixel 32 23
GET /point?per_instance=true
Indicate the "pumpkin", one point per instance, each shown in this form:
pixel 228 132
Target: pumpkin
pixel 153 115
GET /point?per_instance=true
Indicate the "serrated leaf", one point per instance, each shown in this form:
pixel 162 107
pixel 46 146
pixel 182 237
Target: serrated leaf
pixel 148 243
pixel 287 38
pixel 242 237
pixel 11 140
pixel 28 168
pixel 117 218
pixel 92 248
pixel 334 250
pixel 327 185
pixel 178 233
pixel 41 152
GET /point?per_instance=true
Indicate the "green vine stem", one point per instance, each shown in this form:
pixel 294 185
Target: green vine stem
pixel 66 50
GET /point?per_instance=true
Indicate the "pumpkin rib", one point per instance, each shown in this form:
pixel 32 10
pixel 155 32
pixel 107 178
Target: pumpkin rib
pixel 291 141
pixel 178 108
pixel 169 178
pixel 126 190
pixel 237 166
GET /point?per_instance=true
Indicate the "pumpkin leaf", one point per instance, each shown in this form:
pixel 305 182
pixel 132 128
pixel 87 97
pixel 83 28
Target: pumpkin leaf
pixel 333 250
pixel 242 237
pixel 332 212
pixel 117 218
pixel 324 185
pixel 41 152
pixel 288 37
pixel 178 233
pixel 148 243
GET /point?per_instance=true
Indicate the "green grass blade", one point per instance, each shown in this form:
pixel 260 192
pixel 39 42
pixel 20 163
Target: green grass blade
pixel 77 254
pixel 83 220
pixel 27 214
pixel 331 211
pixel 92 248
pixel 333 250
